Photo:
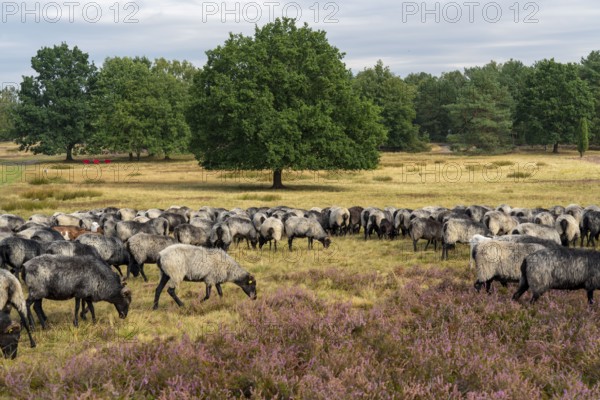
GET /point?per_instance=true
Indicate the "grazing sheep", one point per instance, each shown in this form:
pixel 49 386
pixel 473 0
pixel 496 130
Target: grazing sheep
pixel 305 228
pixel 190 234
pixel 126 229
pixel 242 228
pixel 40 219
pixel 402 220
pixel 540 231
pixel 197 264
pixel 126 214
pixel 73 232
pixel 271 229
pixel 544 218
pixel 354 223
pixel 41 234
pixel 556 211
pixel 10 332
pixel 5 232
pixel 560 268
pixel 111 250
pixel 153 213
pixel 11 294
pixel 505 208
pixel 576 211
pixel 11 221
pixel 500 261
pixel 339 220
pixel 220 236
pixel 386 229
pixel 425 228
pixel 375 218
pixel 71 249
pixel 590 227
pixel 568 229
pixel 56 277
pixel 144 248
pixel 460 231
pixel 258 218
pixel 15 251
pixel 476 212
pixel 60 219
pixel 522 213
pixel 174 219
pixel 499 223
pixel 475 240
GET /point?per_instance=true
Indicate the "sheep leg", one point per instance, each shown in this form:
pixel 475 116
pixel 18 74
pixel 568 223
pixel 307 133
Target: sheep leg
pixel 219 289
pixel 434 244
pixel 415 245
pixel 28 304
pixel 91 307
pixel 427 244
pixel 290 240
pixel 161 285
pixel 142 273
pixel 522 289
pixel 534 298
pixel 27 327
pixel 488 286
pixel 208 290
pixel 37 306
pixel 275 245
pixel 478 286
pixel 310 243
pixel 77 304
pixel 590 296
pixel 171 292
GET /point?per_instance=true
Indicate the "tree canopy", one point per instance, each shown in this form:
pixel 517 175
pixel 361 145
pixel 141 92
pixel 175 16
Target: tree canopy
pixel 53 113
pixel 396 100
pixel 281 99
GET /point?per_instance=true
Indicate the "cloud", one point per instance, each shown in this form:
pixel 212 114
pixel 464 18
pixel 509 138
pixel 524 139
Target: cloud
pixel 408 36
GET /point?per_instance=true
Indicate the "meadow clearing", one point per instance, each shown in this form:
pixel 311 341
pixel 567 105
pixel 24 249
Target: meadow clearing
pixel 358 320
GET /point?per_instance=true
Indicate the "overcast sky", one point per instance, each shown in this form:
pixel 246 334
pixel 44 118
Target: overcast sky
pixel 408 36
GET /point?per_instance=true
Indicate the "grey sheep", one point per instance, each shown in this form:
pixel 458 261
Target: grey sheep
pixel 11 293
pixel 556 211
pixel 500 261
pixel 174 219
pixel 220 236
pixel 375 217
pixel 153 213
pixel 477 212
pixel 305 228
pixel 198 264
pixel 126 229
pixel 85 278
pixel 71 249
pixel 425 228
pixel 11 221
pixel 522 213
pixel 126 214
pixel 258 218
pixel 242 228
pixel 40 219
pixel 541 231
pixel 110 249
pixel 41 234
pixel 499 223
pixel 560 268
pixel 339 220
pixel 190 234
pixel 271 229
pixel 61 219
pixel 544 218
pixel 505 208
pixel 204 223
pixel 15 251
pixel 568 229
pixel 144 248
pixel 354 223
pixel 590 227
pixel 460 231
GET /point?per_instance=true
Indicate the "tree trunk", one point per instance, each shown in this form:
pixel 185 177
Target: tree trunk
pixel 555 148
pixel 167 158
pixel 138 155
pixel 130 156
pixel 69 153
pixel 277 184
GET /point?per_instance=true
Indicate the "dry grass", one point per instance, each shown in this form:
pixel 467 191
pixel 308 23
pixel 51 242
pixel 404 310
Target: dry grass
pixel 403 180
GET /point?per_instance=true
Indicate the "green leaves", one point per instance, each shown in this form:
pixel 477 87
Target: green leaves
pixel 53 115
pixel 281 99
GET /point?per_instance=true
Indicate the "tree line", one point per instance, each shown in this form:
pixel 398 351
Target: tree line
pixel 283 98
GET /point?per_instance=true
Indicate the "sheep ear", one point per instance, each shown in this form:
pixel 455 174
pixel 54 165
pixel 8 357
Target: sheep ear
pixel 126 291
pixel 123 282
pixel 14 327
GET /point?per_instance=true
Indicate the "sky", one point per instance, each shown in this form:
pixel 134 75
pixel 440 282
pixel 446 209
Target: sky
pixel 409 36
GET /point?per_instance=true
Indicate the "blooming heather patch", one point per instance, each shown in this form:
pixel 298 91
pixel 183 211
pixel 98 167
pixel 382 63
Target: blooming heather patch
pixel 430 336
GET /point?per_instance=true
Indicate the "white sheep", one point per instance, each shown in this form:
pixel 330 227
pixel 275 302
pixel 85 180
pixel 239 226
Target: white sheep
pixel 11 294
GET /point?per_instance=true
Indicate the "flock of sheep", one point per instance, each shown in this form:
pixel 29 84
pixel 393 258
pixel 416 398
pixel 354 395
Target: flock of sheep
pixel 68 256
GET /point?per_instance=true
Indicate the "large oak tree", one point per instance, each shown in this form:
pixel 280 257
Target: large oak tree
pixel 282 99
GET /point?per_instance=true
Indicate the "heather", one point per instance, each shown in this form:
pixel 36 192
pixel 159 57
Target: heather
pixel 430 335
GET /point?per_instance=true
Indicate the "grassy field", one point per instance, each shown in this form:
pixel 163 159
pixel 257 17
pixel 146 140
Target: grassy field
pixel 358 320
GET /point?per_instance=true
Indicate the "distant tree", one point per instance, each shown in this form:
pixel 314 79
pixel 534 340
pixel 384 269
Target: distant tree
pixel 433 95
pixel 582 137
pixel 140 106
pixel 396 100
pixel 590 73
pixel 482 111
pixel 53 114
pixel 512 75
pixel 281 99
pixel 8 104
pixel 552 103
